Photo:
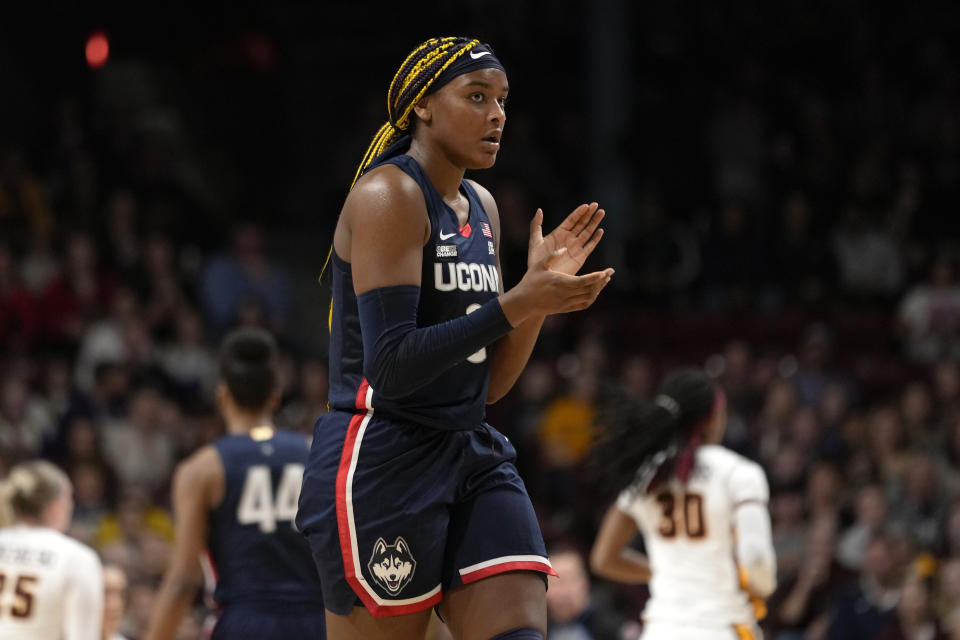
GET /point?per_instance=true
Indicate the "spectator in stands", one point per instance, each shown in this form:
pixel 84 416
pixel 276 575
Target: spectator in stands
pixel 572 612
pixel 141 437
pixel 929 315
pixel 79 294
pixel 915 617
pixel 20 318
pixel 863 610
pixel 244 276
pixel 114 601
pixel 801 605
pixel 870 512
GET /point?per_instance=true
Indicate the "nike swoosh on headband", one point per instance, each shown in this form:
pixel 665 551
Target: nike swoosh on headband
pixel 479 55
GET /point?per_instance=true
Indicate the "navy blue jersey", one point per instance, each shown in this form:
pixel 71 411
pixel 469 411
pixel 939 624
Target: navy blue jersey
pixel 258 555
pixel 459 275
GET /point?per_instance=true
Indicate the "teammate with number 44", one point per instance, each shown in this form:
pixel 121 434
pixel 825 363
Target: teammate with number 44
pixel 234 503
pixel 702 512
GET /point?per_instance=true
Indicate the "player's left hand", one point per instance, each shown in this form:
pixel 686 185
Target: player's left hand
pixel 578 234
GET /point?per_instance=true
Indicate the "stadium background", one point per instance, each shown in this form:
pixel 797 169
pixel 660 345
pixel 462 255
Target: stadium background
pixel 781 181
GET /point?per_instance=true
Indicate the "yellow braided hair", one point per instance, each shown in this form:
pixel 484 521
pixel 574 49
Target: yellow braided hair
pixel 410 83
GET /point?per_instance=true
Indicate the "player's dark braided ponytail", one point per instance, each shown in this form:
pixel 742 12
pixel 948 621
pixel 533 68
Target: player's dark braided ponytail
pixel 650 444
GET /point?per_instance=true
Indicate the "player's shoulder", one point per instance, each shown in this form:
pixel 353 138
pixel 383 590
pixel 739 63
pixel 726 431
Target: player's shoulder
pixel 200 466
pixel 742 479
pixel 386 182
pixel 726 461
pixel 295 438
pixel 78 551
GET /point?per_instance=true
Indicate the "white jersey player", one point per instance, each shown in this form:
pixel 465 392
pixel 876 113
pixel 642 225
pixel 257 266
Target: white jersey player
pixel 702 512
pixel 51 586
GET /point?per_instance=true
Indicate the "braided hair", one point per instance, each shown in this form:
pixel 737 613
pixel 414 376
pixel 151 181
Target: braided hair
pixel 652 443
pixel 412 81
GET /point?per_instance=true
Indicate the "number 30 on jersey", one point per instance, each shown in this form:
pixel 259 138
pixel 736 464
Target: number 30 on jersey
pixel 260 505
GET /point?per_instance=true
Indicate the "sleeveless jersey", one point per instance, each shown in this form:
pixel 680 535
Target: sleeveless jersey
pixel 51 586
pixel 689 536
pixel 256 553
pixel 459 275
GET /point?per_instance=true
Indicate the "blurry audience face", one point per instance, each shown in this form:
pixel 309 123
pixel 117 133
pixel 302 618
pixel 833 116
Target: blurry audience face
pixel 788 465
pixel 916 405
pixel 953 527
pixel 823 485
pixel 805 429
pixel 822 541
pixel 81 255
pixel 878 562
pixel 946 381
pixel 144 407
pixel 114 598
pixel 886 430
pixel 189 328
pixel 833 404
pixel 914 605
pixel 14 397
pixel 142 596
pixel 82 439
pixel 248 243
pixel 871 507
pixel 780 402
pixel 737 364
pixel 949 582
pixel 636 376
pixel 569 593
pixel 158 256
pixel 89 486
pixel 920 477
pixel 154 553
pixel 786 508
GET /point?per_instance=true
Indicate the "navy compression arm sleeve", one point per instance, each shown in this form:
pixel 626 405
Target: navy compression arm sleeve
pixel 399 357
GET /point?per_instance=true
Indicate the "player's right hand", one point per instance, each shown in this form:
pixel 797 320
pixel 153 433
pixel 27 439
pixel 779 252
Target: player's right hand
pixel 543 291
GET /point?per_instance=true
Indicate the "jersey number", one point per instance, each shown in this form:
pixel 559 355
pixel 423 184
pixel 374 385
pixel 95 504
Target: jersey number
pixel 259 505
pixel 23 588
pixel 692 518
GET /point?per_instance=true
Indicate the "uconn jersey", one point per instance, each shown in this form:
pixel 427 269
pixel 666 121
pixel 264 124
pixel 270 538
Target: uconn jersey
pixel 459 274
pixel 256 555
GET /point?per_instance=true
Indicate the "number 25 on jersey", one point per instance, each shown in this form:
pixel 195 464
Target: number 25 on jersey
pixel 259 504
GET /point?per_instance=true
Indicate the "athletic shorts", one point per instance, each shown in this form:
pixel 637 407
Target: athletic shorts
pixel 671 631
pixel 291 621
pixel 398 513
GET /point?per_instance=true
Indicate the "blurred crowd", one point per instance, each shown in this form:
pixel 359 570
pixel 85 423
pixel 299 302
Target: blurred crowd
pixel 792 233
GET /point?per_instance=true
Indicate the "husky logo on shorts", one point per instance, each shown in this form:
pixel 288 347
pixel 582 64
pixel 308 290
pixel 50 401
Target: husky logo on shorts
pixel 392 565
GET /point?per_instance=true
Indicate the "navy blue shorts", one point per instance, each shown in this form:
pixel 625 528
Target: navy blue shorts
pixel 283 622
pixel 398 513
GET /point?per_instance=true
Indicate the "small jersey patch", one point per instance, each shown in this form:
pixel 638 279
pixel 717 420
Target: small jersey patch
pixel 446 251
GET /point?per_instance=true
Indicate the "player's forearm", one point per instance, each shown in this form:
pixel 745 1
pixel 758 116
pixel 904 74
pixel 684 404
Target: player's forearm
pixel 174 600
pixel 510 356
pixel 628 566
pixel 399 357
pixel 755 551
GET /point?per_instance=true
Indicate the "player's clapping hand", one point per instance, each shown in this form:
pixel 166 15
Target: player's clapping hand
pixel 579 234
